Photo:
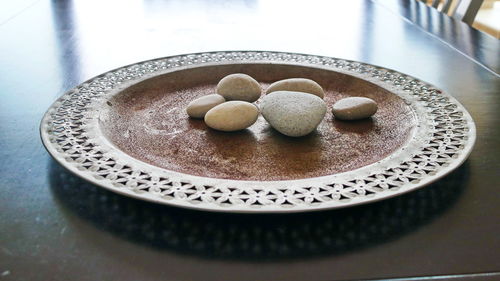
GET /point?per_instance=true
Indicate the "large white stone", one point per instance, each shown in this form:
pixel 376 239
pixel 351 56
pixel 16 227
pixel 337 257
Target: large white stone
pixel 293 114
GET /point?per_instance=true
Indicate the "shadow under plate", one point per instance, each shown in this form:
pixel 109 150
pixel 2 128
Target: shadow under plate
pixel 255 237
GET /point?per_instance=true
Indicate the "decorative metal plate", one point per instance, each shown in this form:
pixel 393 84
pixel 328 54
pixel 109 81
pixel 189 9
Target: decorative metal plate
pixel 445 136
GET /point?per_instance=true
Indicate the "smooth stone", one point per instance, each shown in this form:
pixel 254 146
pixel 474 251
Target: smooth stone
pixel 200 106
pixel 239 86
pixel 354 108
pixel 232 116
pixel 297 85
pixel 294 114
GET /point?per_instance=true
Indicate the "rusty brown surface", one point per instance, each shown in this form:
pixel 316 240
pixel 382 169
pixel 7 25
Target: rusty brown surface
pixel 148 121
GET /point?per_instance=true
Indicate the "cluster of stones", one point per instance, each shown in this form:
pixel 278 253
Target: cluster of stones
pixel 294 107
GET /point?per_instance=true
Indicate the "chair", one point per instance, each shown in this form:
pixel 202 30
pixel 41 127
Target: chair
pixel 464 10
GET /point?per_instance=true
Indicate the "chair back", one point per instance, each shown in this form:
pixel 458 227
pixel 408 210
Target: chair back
pixel 464 10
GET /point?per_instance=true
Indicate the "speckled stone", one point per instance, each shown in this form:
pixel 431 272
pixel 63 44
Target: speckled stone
pixel 354 108
pixel 232 116
pixel 200 106
pixel 239 86
pixel 294 114
pixel 297 85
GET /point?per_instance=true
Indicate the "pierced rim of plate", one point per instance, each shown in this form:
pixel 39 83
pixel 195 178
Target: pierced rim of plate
pixel 442 141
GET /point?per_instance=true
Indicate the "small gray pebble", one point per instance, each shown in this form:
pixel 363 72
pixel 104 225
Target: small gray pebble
pixel 200 106
pixel 297 85
pixel 354 108
pixel 232 116
pixel 239 86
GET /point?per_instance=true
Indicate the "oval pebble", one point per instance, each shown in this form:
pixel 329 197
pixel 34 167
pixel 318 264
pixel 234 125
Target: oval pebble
pixel 200 106
pixel 297 85
pixel 354 108
pixel 294 114
pixel 232 116
pixel 239 86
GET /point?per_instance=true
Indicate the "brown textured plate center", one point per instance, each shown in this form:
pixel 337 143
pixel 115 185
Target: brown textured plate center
pixel 148 121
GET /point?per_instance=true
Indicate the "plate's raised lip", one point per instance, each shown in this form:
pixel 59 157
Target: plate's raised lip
pixel 465 152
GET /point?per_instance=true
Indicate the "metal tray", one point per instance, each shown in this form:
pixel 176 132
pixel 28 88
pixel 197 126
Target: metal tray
pixel 126 130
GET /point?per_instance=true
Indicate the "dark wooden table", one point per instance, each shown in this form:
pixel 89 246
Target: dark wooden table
pixel 54 226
